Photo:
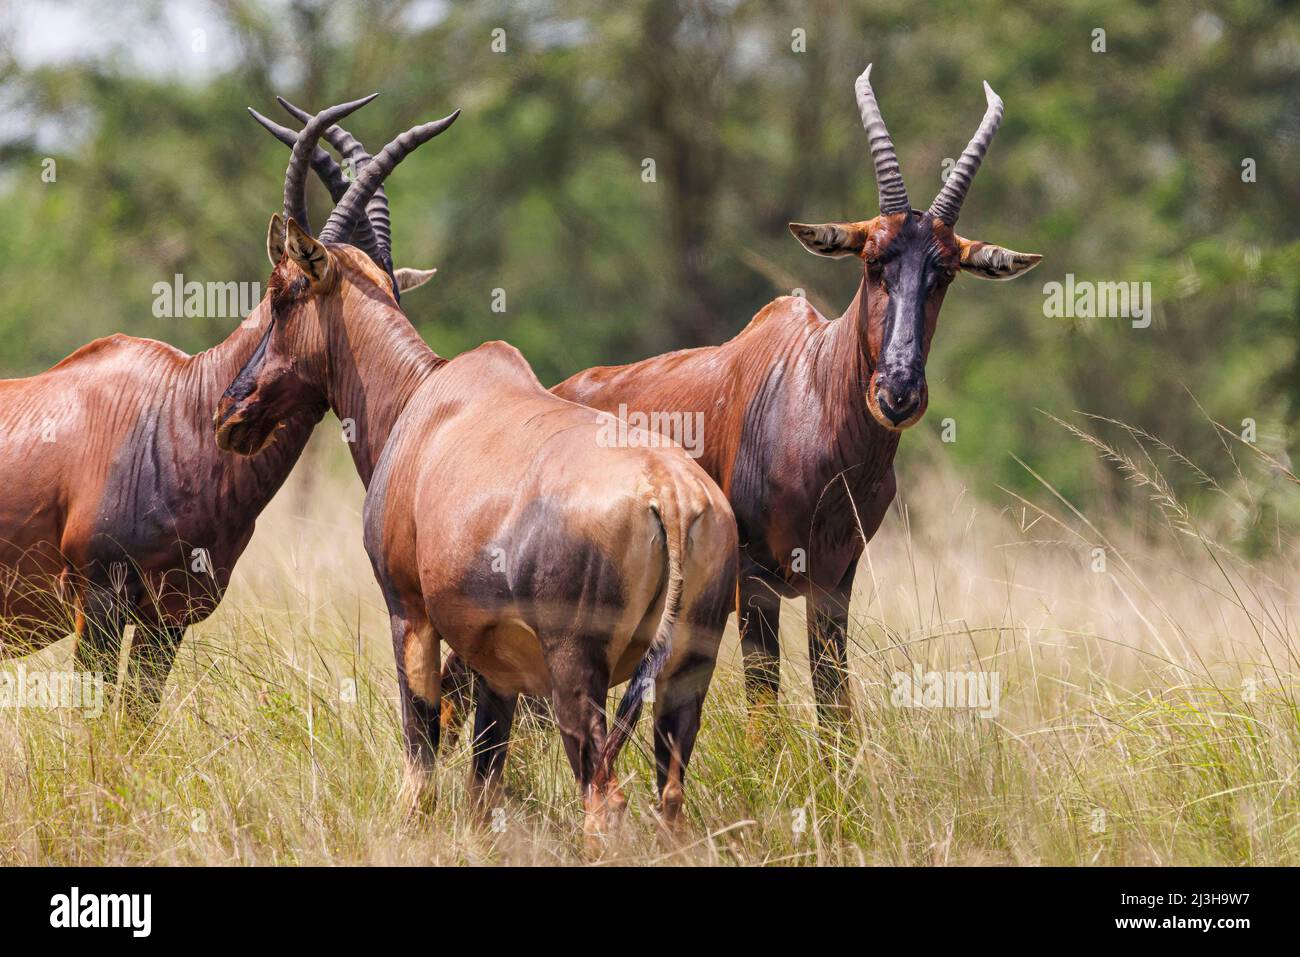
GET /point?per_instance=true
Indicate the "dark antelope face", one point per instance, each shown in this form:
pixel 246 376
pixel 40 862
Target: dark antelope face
pixel 285 374
pixel 310 287
pixel 910 257
pixel 312 283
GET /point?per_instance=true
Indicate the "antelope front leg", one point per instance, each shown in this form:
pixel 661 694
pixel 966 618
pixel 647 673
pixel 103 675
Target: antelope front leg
pixel 99 632
pixel 148 663
pixel 758 617
pixel 828 618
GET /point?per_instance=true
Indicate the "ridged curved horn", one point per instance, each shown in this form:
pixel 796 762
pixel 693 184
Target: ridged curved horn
pixel 348 210
pixel 381 222
pixel 351 148
pixel 947 204
pixel 889 178
pixel 330 174
pixel 336 136
pixel 295 177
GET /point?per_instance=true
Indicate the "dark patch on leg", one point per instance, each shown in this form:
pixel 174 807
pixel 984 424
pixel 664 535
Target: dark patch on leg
pixel 421 728
pixel 557 579
pixel 99 639
pixel 493 716
pixel 677 722
pixel 149 662
pixel 564 576
pixel 759 619
pixel 828 617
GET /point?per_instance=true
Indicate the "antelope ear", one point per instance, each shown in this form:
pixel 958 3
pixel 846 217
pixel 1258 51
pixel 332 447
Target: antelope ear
pixel 408 278
pixel 832 239
pixel 308 252
pixel 275 239
pixel 994 262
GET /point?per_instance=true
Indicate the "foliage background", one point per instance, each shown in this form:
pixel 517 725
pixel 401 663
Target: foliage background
pixel 1122 165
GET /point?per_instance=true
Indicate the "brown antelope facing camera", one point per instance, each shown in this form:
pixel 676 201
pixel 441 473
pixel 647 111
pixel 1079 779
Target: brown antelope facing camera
pixel 493 518
pixel 803 413
pixel 115 505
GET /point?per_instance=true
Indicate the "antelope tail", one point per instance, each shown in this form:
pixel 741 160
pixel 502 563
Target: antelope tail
pixel 661 646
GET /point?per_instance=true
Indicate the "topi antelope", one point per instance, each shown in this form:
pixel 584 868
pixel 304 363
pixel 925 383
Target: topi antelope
pixel 493 518
pixel 116 507
pixel 803 414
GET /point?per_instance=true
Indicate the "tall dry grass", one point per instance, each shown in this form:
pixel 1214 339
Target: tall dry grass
pixel 1147 709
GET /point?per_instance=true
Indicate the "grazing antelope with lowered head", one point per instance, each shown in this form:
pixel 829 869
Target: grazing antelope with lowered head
pixel 116 506
pixel 494 518
pixel 803 414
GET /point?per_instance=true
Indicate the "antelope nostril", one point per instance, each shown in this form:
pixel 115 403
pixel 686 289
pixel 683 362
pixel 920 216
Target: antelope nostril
pixel 897 404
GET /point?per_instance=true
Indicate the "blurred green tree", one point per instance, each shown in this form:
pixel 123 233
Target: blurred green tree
pixel 1127 163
